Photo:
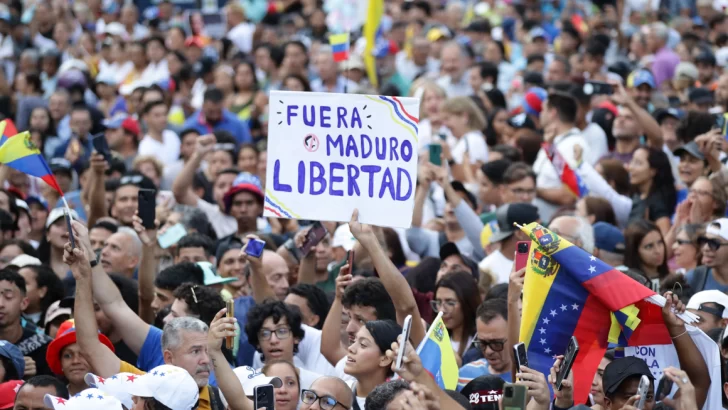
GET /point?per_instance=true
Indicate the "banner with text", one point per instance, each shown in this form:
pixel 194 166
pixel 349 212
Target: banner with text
pixel 331 153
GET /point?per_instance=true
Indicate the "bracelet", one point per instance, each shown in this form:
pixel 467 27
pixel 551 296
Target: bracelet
pixel 680 334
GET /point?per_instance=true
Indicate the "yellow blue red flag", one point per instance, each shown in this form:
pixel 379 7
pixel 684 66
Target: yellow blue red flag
pixel 437 355
pixel 19 152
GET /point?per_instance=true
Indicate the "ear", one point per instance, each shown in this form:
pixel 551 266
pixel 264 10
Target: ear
pixel 385 361
pixel 42 292
pixel 314 320
pixel 24 303
pixel 167 356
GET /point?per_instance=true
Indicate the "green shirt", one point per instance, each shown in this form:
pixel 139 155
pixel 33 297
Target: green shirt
pixel 329 285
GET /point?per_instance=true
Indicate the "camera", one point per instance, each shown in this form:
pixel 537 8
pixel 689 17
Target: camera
pixel 508 392
pixel 522 248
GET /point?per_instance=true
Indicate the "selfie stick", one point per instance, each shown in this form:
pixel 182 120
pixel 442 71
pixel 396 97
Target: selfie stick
pixel 68 208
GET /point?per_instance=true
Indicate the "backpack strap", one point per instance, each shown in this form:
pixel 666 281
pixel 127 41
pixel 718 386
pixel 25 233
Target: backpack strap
pixel 699 278
pixel 215 402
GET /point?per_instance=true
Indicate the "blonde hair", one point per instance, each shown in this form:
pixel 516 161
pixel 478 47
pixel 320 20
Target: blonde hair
pixel 158 165
pixel 464 105
pixel 422 86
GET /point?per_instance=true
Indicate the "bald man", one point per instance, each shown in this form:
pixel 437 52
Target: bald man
pixel 574 229
pixel 328 388
pixel 276 272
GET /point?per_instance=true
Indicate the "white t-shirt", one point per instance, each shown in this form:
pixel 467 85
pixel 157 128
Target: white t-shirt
pixel 546 176
pixel 309 355
pixel 242 36
pixel 223 225
pixel 596 139
pixel 473 143
pixel 167 151
pixel 497 263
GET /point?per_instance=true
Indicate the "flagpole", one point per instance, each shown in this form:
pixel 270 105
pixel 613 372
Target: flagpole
pixel 346 62
pixel 68 208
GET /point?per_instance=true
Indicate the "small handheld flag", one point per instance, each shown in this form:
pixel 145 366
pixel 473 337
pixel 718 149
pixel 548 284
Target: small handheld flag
pixel 438 358
pixel 568 176
pixel 340 46
pixel 19 152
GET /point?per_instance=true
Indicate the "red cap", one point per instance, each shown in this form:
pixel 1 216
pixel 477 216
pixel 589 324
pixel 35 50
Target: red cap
pixel 610 106
pixel 194 41
pixel 8 391
pixel 130 125
pixel 66 336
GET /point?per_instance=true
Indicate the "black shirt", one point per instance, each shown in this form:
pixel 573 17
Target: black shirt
pixel 34 343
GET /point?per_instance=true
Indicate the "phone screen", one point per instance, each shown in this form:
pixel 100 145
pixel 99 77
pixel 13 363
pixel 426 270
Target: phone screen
pixel 405 338
pixel 519 351
pixel 314 235
pixel 264 396
pixel 435 154
pixel 255 248
pixel 171 236
pixel 571 351
pixel 147 207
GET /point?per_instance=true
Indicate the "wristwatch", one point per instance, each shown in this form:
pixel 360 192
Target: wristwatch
pixel 95 261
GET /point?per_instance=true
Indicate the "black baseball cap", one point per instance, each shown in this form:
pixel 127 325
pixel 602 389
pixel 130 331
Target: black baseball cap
pixel 621 369
pixel 458 186
pixel 489 390
pixel 449 249
pixel 506 215
pixel 690 148
pixel 700 95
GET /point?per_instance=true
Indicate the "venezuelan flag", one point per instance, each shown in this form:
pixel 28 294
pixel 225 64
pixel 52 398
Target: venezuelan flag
pixel 20 153
pixel 569 178
pixel 340 46
pixel 570 292
pixel 437 355
pixel 372 24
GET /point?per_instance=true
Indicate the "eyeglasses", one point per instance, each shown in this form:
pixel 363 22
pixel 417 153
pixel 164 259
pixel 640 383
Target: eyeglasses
pixel 325 402
pixel 684 241
pixel 699 192
pixel 713 244
pixel 495 345
pixel 281 333
pixel 445 304
pixel 523 191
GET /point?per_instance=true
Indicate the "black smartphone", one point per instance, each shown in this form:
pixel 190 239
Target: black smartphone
pixel 314 235
pixel 598 88
pixel 519 352
pixel 569 357
pixel 147 207
pixel 255 248
pixel 70 229
pixel 435 154
pixel 664 387
pixel 264 397
pixel 101 146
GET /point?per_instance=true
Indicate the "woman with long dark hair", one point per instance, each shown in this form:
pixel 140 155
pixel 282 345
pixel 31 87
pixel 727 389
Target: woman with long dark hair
pixel 497 129
pixel 645 250
pixel 457 296
pixel 245 86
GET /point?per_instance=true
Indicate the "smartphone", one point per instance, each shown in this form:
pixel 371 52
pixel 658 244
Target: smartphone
pixel 70 229
pixel 350 260
pixel 514 396
pixel 264 397
pixel 101 146
pixel 642 389
pixel 719 122
pixel 519 352
pixel 569 357
pixel 598 88
pixel 229 340
pixel 523 249
pixel 147 207
pixel 172 235
pixel 405 337
pixel 664 387
pixel 255 248
pixel 442 136
pixel 314 235
pixel 435 154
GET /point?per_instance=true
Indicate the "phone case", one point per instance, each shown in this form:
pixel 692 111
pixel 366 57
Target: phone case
pixel 171 236
pixel 514 397
pixel 572 350
pixel 405 336
pixel 147 207
pixel 435 153
pixel 255 248
pixel 522 258
pixel 314 235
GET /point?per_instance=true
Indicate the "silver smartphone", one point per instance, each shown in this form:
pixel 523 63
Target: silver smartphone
pixel 642 391
pixel 405 337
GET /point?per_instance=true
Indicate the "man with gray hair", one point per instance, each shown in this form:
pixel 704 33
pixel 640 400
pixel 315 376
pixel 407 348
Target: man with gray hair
pixel 454 61
pixel 329 80
pixel 122 252
pixel 665 61
pixel 574 229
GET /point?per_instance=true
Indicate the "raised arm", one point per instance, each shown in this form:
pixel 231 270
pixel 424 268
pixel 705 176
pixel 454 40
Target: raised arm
pixel 331 346
pixel 97 189
pixel 392 279
pixel 131 327
pixel 182 185
pixel 147 268
pixel 649 125
pixel 220 328
pixel 102 360
pixel 307 267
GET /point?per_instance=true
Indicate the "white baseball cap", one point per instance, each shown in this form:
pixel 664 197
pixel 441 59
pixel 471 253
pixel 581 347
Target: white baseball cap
pixel 343 238
pixel 710 296
pixel 113 386
pixel 89 399
pixel 57 213
pixel 250 378
pixel 169 385
pixel 24 260
pixel 718 227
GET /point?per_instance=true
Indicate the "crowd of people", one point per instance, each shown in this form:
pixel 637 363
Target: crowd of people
pixel 603 121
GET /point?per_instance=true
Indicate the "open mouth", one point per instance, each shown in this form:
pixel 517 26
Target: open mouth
pixel 349 359
pixel 276 353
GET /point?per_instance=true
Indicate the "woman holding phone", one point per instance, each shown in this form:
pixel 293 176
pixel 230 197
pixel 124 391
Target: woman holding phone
pixel 287 395
pixel 367 360
pixel 457 297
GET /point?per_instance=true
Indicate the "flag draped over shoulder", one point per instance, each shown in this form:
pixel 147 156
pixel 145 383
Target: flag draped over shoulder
pixel 19 152
pixel 569 178
pixel 570 292
pixel 437 355
pixel 375 11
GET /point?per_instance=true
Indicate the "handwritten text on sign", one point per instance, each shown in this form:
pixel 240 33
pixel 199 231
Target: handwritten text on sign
pixel 331 153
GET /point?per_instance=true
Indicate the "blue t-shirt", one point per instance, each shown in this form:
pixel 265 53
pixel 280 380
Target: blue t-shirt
pixel 476 369
pixel 710 282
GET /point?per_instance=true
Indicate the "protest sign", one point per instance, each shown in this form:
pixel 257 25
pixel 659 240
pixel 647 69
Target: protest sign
pixel 331 153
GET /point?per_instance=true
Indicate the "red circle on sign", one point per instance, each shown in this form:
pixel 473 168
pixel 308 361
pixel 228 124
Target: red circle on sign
pixel 311 143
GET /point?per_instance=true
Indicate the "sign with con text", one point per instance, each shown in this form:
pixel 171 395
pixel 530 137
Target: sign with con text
pixel 331 153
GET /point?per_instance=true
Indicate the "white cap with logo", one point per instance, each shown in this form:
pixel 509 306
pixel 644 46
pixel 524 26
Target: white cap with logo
pixel 89 399
pixel 718 227
pixel 170 385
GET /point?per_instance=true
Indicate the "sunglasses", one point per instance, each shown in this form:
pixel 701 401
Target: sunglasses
pixel 495 345
pixel 713 244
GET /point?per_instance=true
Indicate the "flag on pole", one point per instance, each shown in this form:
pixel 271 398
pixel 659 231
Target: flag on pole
pixel 569 178
pixel 19 152
pixel 437 356
pixel 570 292
pixel 375 11
pixel 340 46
